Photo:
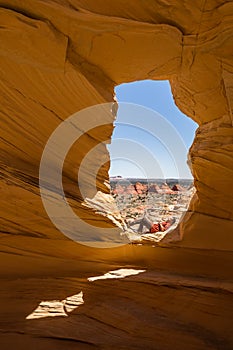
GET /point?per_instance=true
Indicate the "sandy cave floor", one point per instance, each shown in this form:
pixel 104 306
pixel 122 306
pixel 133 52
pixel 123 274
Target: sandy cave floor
pixel 183 299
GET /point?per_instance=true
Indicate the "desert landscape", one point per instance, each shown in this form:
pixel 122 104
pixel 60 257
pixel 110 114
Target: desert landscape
pixel 158 199
pixel 58 59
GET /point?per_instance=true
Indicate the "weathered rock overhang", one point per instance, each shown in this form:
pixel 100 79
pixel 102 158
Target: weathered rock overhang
pixel 59 57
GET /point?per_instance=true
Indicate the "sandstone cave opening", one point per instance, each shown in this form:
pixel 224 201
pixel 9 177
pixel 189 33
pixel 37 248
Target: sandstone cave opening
pixel 149 174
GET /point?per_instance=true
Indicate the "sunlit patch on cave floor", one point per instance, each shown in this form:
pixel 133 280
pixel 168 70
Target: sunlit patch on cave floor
pixel 62 308
pixel 54 308
pixel 121 273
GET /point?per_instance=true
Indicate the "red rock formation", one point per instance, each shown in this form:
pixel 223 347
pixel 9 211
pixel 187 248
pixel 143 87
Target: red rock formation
pixel 154 188
pixel 140 188
pixel 131 190
pixel 165 189
pixel 178 188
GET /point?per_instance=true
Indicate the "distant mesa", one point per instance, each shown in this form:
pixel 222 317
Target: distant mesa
pixel 144 186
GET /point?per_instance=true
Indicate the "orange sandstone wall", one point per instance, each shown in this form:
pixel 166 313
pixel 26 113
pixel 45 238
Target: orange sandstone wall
pixel 58 57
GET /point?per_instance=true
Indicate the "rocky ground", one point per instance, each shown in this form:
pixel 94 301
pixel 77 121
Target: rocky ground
pixel 157 207
pixel 125 208
pixel 159 202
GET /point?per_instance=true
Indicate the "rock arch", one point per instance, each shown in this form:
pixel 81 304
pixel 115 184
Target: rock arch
pixel 56 60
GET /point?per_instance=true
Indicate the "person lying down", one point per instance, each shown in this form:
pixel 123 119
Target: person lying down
pixel 145 225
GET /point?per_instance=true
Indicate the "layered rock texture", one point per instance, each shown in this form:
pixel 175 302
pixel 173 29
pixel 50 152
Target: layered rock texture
pixel 58 57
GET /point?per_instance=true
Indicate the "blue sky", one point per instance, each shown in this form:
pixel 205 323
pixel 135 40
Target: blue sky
pixel 150 141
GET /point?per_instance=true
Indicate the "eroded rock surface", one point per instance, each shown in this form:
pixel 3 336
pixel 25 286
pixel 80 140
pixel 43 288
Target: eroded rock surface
pixel 58 57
